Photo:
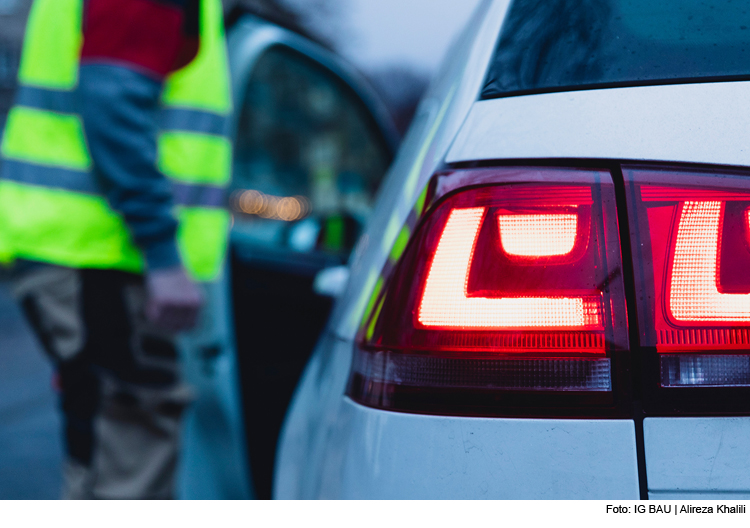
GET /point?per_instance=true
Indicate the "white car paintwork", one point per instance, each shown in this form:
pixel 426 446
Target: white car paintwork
pixel 332 447
pixel 698 456
pixel 699 123
pixel 392 455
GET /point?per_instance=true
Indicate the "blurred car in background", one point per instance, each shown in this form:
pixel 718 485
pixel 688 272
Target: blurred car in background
pixel 312 143
pixel 551 298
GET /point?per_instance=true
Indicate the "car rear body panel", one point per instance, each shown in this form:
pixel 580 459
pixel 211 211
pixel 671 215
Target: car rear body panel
pixel 687 123
pixel 686 457
pixel 400 456
pixel 355 452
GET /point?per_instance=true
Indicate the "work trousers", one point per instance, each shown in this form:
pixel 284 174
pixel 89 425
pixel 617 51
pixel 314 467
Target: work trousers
pixel 118 376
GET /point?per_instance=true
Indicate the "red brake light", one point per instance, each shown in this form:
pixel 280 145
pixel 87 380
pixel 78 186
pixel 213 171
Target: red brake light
pixel 694 295
pixel 538 235
pixel 445 300
pixel 510 287
pixel 692 257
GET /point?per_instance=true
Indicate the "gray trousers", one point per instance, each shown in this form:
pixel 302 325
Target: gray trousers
pixel 121 392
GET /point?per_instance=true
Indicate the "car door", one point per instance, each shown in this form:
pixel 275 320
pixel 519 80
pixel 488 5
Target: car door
pixel 312 144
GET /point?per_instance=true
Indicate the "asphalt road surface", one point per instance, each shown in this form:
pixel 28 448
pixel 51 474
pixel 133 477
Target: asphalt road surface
pixel 30 439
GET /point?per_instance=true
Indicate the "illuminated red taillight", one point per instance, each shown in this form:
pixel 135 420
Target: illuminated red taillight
pixel 693 283
pixel 692 262
pixel 446 302
pixel 528 235
pixel 510 288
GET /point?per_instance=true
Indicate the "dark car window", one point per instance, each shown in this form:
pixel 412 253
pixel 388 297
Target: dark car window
pixel 551 45
pixel 309 157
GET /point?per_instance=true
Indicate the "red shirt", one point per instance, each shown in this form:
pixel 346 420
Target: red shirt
pixel 155 37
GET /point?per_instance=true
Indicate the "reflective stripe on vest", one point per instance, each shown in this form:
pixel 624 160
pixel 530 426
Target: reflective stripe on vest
pixel 51 208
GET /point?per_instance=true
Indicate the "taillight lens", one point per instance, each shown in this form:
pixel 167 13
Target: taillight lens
pixel 691 250
pixel 509 289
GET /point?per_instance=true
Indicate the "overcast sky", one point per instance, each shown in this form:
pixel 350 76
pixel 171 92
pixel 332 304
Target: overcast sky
pixel 416 32
pixel 378 33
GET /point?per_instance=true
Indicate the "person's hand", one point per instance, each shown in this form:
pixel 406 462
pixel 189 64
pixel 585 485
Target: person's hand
pixel 173 300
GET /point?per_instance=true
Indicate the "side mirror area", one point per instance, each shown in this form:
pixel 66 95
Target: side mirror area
pixel 331 282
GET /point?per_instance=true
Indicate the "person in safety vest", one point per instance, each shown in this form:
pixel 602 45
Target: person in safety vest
pixel 115 161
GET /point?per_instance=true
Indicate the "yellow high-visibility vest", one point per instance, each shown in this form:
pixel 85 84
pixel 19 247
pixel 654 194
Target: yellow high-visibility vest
pixel 51 209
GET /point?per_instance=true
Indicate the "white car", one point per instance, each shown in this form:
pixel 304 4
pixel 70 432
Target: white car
pixel 552 296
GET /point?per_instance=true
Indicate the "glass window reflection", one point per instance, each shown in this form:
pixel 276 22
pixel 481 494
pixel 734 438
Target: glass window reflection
pixel 309 157
pixel 552 45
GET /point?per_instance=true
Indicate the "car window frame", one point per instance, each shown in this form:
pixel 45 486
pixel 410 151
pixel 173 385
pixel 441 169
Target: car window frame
pixel 251 37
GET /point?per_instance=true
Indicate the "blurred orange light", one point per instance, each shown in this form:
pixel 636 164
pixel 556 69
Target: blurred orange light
pixel 538 235
pixel 269 206
pixel 694 295
pixel 445 303
pixel 252 202
pixel 288 208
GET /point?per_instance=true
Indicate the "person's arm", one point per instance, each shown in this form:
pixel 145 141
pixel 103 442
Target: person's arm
pixel 129 47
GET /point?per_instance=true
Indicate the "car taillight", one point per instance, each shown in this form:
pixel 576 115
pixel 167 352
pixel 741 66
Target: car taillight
pixel 508 297
pixel 690 234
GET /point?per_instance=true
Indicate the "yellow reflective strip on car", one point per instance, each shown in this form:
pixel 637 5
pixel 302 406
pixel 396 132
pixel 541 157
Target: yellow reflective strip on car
pixel 204 83
pixel 412 178
pixel 195 158
pixel 202 240
pixel 45 138
pixel 355 320
pixel 400 244
pixel 419 206
pixel 374 320
pixel 391 232
pixel 52 44
pixel 372 300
